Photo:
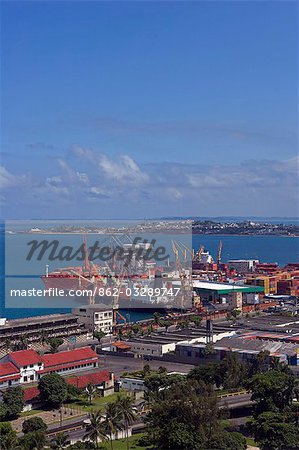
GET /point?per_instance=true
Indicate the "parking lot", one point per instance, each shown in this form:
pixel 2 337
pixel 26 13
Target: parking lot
pixel 121 364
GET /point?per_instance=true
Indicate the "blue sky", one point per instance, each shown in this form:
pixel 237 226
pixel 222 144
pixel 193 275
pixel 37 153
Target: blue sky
pixel 133 109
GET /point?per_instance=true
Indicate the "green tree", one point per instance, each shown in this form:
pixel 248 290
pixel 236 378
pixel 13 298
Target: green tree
pixel 36 440
pixel 233 371
pixel 55 343
pixel 166 324
pixel 91 392
pixel 261 362
pixel 8 436
pixel 228 441
pixel 34 424
pixel 272 391
pixel 197 321
pixel 73 392
pixel 124 405
pixel 96 429
pixel 156 317
pixel 53 389
pixel 3 411
pixel 43 337
pixel 136 328
pixel 146 370
pixel 21 343
pixel 209 374
pixel 112 421
pixel 183 325
pixel 184 417
pixel 60 441
pixel 272 433
pixel 209 349
pixel 98 335
pixel 13 399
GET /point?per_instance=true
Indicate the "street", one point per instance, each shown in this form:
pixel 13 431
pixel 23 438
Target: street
pixel 121 364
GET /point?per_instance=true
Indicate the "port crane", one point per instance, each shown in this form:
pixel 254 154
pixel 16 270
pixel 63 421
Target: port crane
pixel 219 253
pixel 199 253
pixel 185 282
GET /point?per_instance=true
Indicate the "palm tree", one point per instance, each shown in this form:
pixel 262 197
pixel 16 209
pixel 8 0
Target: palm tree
pixel 43 338
pixel 156 317
pixel 91 392
pixel 60 441
pixel 7 344
pixel 112 421
pixel 125 407
pixel 96 429
pixel 38 440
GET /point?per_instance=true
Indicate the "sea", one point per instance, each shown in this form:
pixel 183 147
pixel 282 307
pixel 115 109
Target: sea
pixel 265 248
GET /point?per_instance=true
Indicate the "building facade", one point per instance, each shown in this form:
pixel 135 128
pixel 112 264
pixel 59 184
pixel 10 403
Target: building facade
pixel 96 317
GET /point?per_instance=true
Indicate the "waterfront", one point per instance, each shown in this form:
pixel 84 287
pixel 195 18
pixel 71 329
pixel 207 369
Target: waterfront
pixel 266 248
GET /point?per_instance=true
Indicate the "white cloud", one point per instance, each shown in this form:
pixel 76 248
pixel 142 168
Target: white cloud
pixel 122 183
pixel 9 180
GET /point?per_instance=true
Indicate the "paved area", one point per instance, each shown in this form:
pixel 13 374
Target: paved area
pixel 50 417
pixel 121 364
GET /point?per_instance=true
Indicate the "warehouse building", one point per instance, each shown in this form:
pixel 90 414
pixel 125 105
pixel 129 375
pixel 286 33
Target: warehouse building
pixel 226 295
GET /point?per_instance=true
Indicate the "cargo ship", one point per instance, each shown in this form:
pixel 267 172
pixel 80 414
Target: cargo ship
pixel 141 286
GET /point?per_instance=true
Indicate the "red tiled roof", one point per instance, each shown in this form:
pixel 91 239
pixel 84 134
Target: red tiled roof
pixel 96 378
pixel 66 366
pixel 31 393
pixel 8 368
pixel 121 345
pixel 25 357
pixel 81 381
pixel 70 356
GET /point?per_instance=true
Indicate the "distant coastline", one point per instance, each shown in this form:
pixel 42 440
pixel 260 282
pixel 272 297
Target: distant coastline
pixel 200 227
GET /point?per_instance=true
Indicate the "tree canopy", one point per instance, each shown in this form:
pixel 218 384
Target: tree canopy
pixel 53 389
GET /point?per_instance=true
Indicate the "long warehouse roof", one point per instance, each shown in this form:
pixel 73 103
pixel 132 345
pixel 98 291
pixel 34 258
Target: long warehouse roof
pixel 225 288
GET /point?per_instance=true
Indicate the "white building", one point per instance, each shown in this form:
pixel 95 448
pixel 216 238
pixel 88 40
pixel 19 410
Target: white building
pixel 242 265
pixel 132 384
pixel 97 317
pixel 28 362
pixel 27 366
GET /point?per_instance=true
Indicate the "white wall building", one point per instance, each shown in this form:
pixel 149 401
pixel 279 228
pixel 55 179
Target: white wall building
pixel 242 265
pixel 96 317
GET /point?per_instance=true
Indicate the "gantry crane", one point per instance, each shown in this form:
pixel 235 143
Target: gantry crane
pixel 185 281
pixel 219 253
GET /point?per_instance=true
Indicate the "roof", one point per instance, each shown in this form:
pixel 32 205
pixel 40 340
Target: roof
pixel 121 345
pixel 69 356
pixel 80 381
pixel 25 357
pixel 225 288
pixel 69 365
pixel 51 318
pixel 96 378
pixel 9 371
pixel 31 393
pixel 95 306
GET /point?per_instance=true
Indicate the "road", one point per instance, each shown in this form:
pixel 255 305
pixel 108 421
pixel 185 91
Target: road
pixel 236 401
pixel 121 364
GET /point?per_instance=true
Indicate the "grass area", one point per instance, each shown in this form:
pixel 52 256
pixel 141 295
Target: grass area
pixel 121 444
pixel 97 403
pixel 30 413
pixel 250 441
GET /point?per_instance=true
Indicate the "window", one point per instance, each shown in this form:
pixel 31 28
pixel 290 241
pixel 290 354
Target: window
pixel 31 377
pixel 25 367
pixel 25 379
pixel 31 365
